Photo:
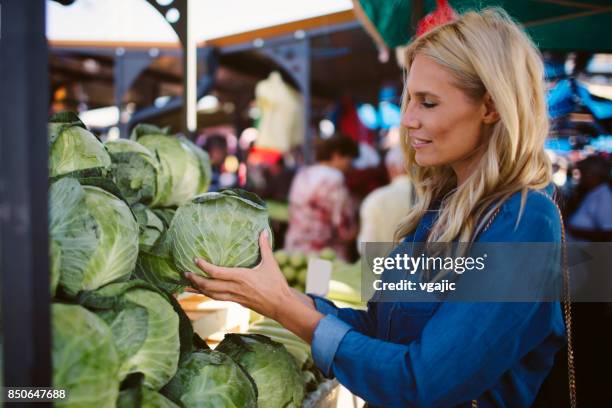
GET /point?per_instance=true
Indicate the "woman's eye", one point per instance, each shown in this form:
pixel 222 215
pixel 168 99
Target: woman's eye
pixel 428 105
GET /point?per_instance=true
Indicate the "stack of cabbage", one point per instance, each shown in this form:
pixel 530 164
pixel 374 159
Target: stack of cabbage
pixel 126 218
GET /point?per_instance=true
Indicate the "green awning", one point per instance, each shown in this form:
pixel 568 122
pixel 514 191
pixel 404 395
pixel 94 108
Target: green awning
pixel 555 25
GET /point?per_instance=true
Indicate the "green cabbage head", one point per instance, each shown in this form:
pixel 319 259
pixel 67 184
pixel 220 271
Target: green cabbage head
pixel 74 149
pixel 223 228
pixel 185 166
pixel 96 233
pixel 143 397
pixel 278 378
pixel 136 171
pixel 155 264
pixel 210 379
pixel 85 361
pixel 145 328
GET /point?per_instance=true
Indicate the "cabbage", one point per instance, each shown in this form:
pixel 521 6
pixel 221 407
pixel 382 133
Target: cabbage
pixel 222 228
pixel 74 149
pixel 85 361
pixel 145 328
pixel 185 165
pixel 210 379
pixel 136 171
pixel 151 226
pixel 298 348
pixel 96 233
pixel 156 267
pixel 165 214
pixel 143 397
pixel 155 264
pixel 56 261
pixel 278 378
pixel 204 162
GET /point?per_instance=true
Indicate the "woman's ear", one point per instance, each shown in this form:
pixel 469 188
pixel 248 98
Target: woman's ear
pixel 490 114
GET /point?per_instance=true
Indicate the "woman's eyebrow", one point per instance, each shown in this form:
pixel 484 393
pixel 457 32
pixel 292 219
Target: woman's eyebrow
pixel 425 93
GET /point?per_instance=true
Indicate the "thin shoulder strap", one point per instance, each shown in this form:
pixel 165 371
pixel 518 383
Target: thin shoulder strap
pixel 567 313
pixel 567 305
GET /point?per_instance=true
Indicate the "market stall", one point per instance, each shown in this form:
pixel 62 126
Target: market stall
pixel 96 234
pixel 112 275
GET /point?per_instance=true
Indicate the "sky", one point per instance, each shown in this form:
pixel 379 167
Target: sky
pixel 138 21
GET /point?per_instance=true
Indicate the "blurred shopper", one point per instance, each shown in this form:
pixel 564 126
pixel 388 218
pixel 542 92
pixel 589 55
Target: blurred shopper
pixel 321 213
pixel 592 221
pixel 216 146
pixel 278 177
pixel 384 208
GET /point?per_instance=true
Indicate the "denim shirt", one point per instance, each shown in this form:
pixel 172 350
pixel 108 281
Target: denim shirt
pixel 444 354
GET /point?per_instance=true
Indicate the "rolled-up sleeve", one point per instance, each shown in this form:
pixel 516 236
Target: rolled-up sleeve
pixel 363 321
pixel 327 337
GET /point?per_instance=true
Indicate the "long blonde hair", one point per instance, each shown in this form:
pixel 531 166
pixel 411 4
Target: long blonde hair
pixel 486 52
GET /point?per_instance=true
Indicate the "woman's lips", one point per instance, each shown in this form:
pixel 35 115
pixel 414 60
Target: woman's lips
pixel 418 143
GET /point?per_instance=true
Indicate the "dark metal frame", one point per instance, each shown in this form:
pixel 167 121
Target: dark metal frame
pixel 23 195
pixel 292 52
pixel 128 66
pixel 189 47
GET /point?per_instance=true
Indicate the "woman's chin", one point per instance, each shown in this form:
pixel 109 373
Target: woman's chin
pixel 425 160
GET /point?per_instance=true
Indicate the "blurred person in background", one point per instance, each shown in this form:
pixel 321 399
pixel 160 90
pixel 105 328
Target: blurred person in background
pixel 321 212
pixel 592 220
pixel 216 146
pixel 384 208
pixel 278 177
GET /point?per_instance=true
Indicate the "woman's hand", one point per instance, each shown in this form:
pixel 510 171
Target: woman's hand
pixel 262 289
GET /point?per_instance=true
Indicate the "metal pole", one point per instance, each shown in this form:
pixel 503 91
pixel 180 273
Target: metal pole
pixel 190 71
pixel 306 85
pixel 24 238
pixel 128 66
pixel 183 27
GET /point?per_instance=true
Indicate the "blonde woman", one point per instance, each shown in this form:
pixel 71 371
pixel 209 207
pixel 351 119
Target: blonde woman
pixel 474 123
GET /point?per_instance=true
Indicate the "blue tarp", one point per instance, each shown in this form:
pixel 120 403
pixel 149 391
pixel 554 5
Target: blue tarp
pixel 599 107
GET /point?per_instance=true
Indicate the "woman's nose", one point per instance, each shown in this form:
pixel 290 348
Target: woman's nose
pixel 409 120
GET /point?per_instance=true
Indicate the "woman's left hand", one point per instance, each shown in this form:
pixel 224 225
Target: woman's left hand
pixel 262 288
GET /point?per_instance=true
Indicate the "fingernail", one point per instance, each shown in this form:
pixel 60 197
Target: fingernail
pixel 195 260
pixel 265 233
pixel 187 274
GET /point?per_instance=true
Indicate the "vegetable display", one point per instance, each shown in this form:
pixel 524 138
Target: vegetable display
pixel 277 376
pixel 85 361
pixel 136 171
pixel 74 150
pixel 184 165
pixel 126 219
pixel 145 329
pixel 95 235
pixel 211 379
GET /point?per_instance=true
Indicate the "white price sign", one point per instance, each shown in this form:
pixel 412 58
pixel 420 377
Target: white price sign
pixel 318 276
